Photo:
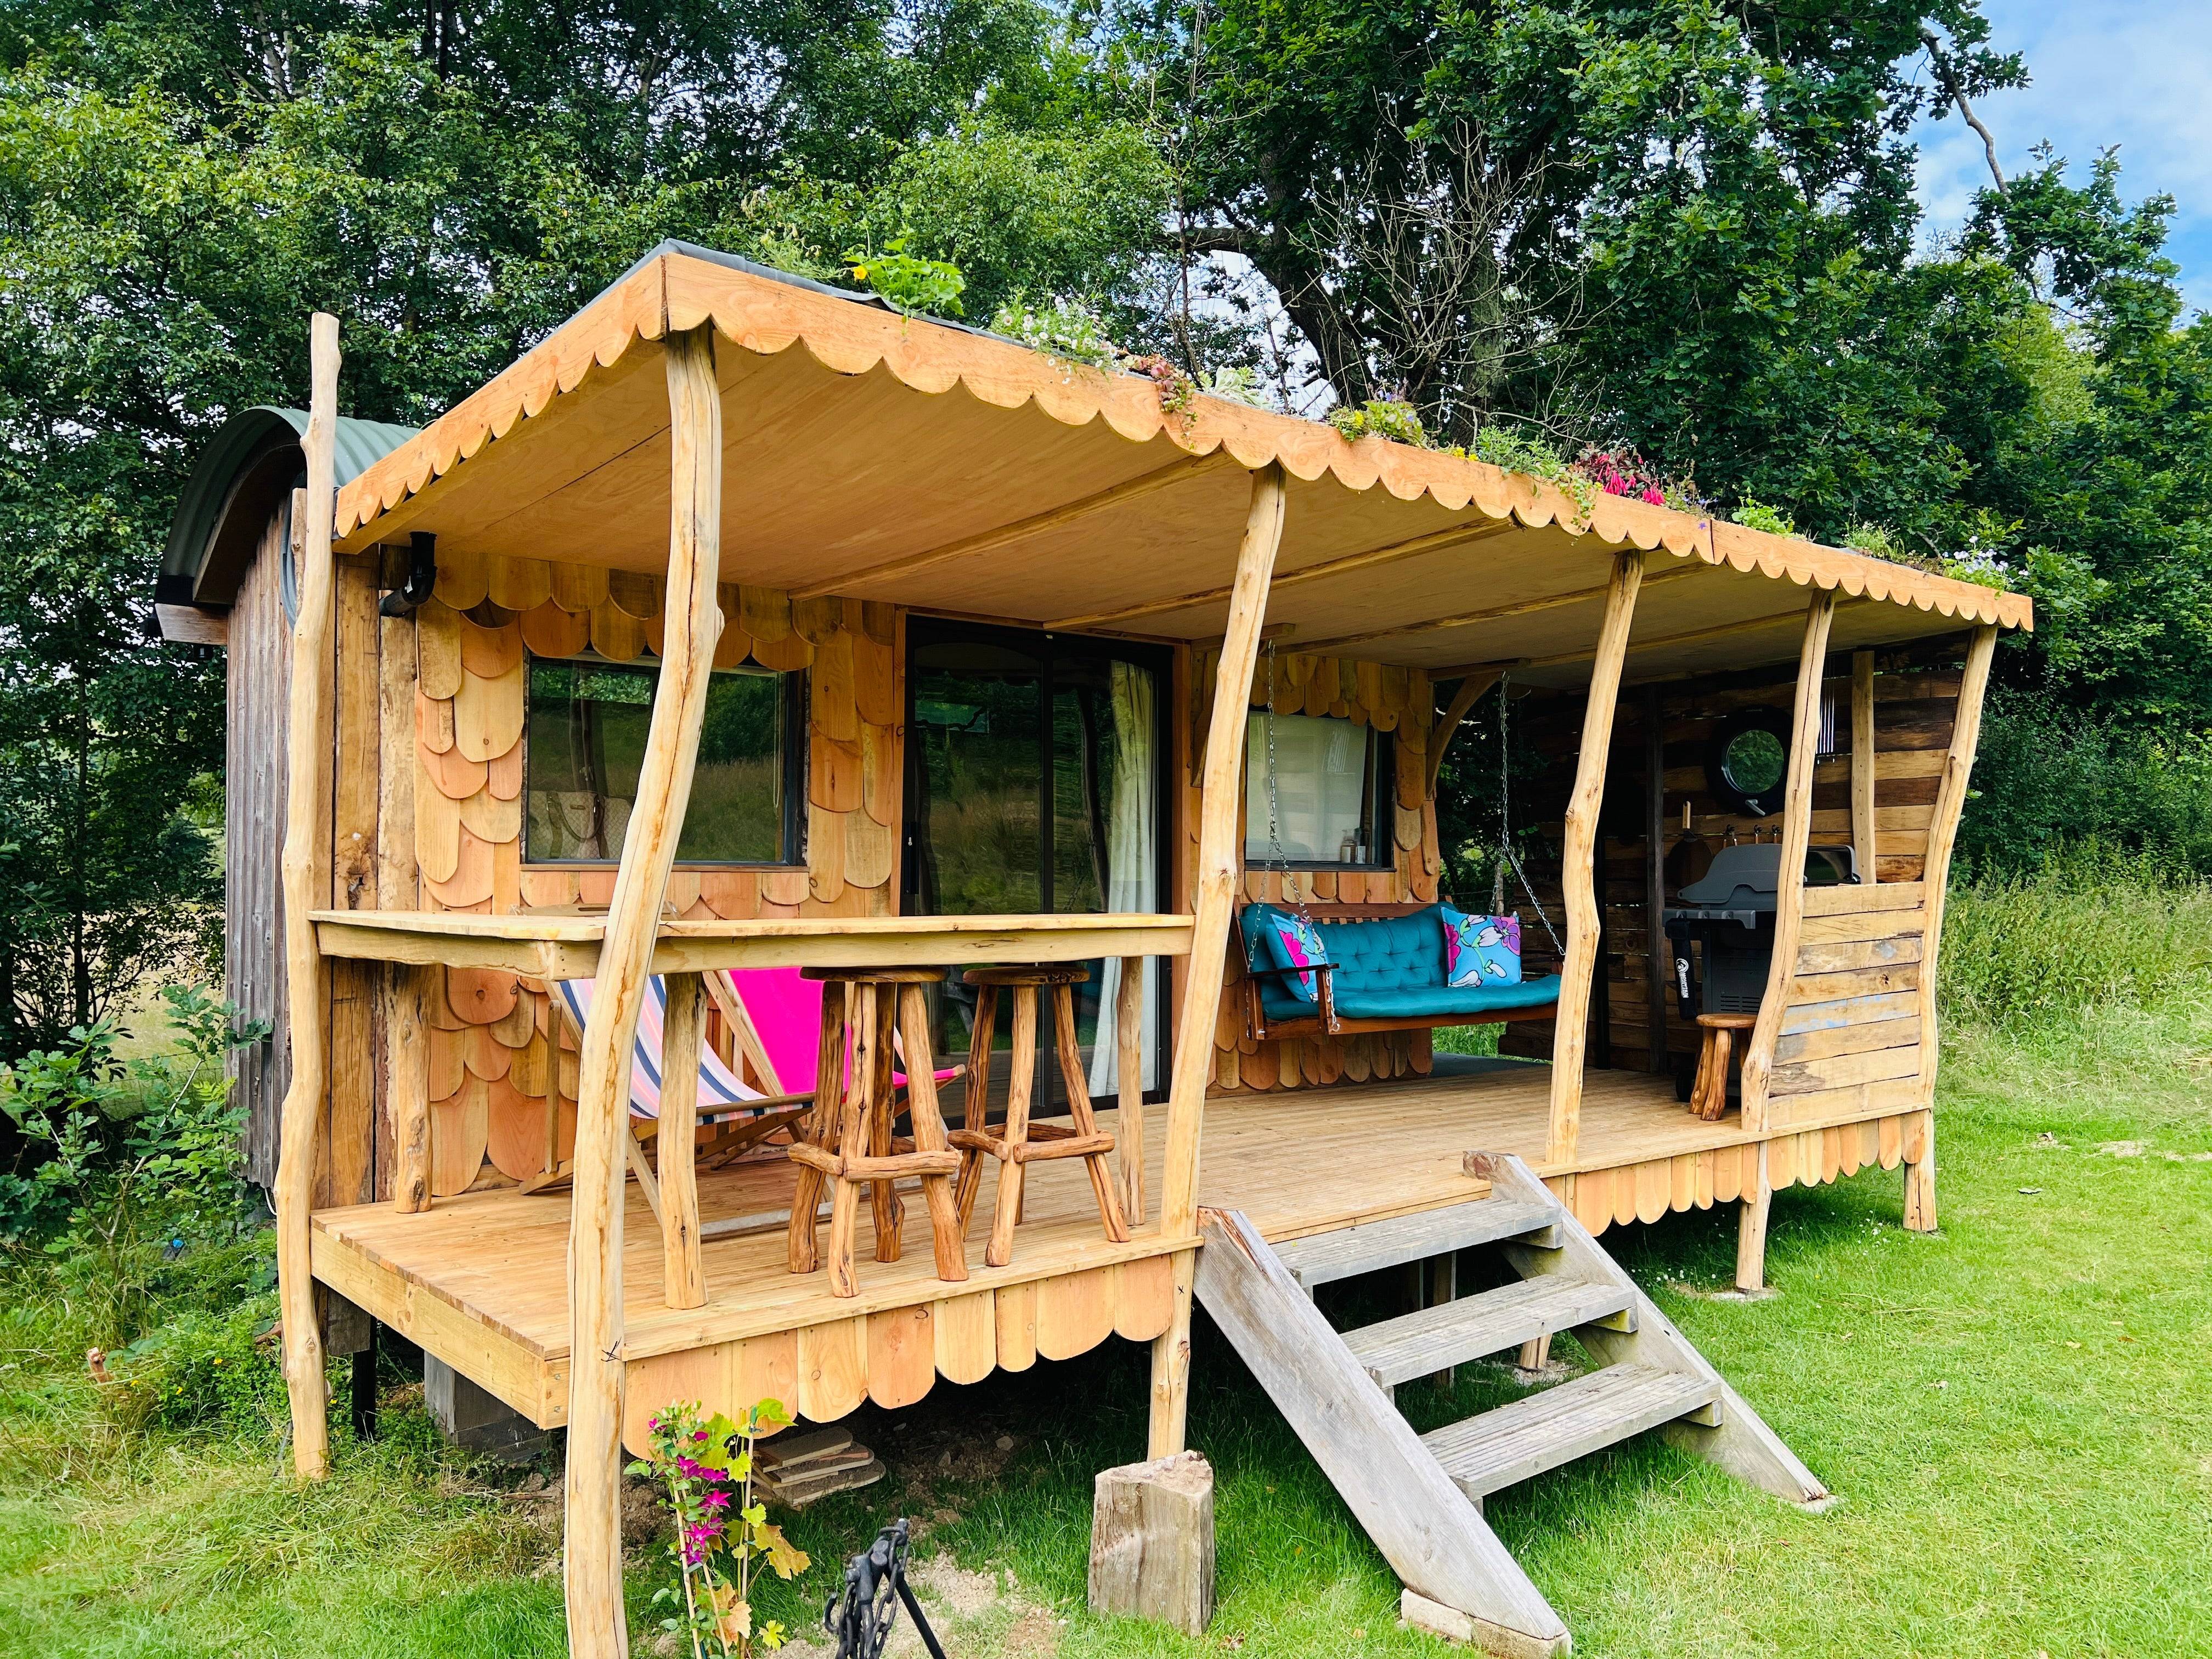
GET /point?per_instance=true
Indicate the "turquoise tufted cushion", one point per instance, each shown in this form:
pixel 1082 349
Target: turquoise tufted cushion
pixel 1389 967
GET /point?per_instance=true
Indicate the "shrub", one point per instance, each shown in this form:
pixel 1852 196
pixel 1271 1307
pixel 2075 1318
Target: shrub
pixel 2048 779
pixel 2091 926
pixel 909 282
pixel 1757 515
pixel 140 1161
pixel 1380 418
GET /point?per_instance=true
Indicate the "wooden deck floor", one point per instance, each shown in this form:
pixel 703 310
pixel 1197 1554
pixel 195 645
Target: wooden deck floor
pixel 481 1279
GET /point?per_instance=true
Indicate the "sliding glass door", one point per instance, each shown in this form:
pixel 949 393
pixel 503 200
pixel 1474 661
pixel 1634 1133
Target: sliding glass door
pixel 1036 783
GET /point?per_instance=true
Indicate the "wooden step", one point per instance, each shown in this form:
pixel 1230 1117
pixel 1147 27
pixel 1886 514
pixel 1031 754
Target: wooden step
pixel 1498 1448
pixel 1326 1257
pixel 1423 1343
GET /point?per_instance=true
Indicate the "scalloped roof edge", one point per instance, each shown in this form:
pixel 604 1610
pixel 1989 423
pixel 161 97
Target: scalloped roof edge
pixel 680 285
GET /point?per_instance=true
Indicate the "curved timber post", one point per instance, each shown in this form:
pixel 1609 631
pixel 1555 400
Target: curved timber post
pixel 598 1628
pixel 1936 874
pixel 1212 911
pixel 307 887
pixel 1796 836
pixel 1577 871
pixel 1788 923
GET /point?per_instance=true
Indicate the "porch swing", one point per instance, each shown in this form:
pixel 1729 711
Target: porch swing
pixel 1341 969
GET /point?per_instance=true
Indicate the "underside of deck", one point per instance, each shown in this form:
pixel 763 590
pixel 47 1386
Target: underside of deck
pixel 481 1280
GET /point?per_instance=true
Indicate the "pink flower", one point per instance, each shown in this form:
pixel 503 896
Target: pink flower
pixel 715 1500
pixel 1653 496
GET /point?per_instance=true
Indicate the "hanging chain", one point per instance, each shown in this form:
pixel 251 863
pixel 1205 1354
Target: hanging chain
pixel 1506 854
pixel 1274 810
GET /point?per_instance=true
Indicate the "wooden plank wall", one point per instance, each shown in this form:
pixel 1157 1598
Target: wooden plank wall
pixel 1913 715
pixel 427 813
pixel 1398 700
pixel 1850 1024
pixel 258 671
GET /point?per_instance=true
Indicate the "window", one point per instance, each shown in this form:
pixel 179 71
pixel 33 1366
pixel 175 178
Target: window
pixel 585 744
pixel 1326 805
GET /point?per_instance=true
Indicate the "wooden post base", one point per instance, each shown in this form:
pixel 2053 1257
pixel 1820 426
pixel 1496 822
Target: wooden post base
pixel 1751 1234
pixel 1151 1542
pixel 1920 1175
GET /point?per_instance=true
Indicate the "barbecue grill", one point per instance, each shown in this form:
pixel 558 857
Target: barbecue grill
pixel 1729 913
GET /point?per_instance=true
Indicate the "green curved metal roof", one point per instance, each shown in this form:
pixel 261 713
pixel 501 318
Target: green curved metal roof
pixel 246 443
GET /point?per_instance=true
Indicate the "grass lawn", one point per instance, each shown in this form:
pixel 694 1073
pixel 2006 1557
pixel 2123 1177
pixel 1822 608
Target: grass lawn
pixel 2017 1414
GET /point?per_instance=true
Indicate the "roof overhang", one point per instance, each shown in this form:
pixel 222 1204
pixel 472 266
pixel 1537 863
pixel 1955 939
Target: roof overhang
pixel 247 470
pixel 903 460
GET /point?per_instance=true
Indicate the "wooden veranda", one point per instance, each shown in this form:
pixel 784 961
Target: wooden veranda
pixel 711 466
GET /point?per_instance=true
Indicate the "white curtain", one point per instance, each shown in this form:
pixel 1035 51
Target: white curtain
pixel 1132 873
pixel 1319 798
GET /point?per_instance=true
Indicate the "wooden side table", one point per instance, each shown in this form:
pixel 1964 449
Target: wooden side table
pixel 1019 1142
pixel 846 1142
pixel 1716 1041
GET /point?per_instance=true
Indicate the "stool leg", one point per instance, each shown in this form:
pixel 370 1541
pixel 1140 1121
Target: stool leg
pixel 889 1213
pixel 1704 1084
pixel 944 1229
pixel 852 1142
pixel 1716 1091
pixel 1000 1250
pixel 819 1127
pixel 975 1114
pixel 1078 1108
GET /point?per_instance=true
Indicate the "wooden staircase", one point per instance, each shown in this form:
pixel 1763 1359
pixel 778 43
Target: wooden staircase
pixel 1420 1496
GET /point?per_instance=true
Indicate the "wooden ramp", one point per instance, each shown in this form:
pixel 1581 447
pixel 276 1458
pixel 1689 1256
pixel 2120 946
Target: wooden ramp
pixel 1420 1496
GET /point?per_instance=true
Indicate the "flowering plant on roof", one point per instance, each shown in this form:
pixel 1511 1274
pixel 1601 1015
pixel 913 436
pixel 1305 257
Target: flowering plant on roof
pixel 705 1469
pixel 1625 472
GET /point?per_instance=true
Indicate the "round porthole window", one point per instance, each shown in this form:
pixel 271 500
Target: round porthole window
pixel 1750 763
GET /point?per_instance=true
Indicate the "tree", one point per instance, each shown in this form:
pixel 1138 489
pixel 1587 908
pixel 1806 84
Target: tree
pixel 180 186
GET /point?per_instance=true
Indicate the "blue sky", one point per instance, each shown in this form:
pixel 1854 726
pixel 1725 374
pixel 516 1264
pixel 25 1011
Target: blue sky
pixel 2135 73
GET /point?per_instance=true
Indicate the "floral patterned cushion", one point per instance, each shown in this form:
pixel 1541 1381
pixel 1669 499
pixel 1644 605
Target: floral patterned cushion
pixel 1481 949
pixel 1295 943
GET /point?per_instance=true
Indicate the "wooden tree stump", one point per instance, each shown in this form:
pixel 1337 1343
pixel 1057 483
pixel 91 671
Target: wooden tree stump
pixel 1151 1542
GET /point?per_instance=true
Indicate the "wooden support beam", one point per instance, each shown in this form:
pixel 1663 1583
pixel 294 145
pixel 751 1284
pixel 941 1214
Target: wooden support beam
pixel 1471 688
pixel 990 541
pixel 1170 1418
pixel 1435 542
pixel 1213 899
pixel 1658 958
pixel 683 1038
pixel 1942 837
pixel 1864 838
pixel 1129 1068
pixel 1577 869
pixel 307 888
pixel 1796 836
pixel 598 1625
pixel 407 1087
pixel 1213 893
pixel 1751 1227
pixel 1499 612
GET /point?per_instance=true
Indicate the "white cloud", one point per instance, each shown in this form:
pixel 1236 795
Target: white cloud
pixel 2134 73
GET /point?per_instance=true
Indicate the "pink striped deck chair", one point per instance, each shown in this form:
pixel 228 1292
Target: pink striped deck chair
pixel 732 1115
pixel 776 1015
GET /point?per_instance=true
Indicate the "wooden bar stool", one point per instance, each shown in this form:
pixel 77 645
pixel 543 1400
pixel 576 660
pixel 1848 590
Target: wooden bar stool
pixel 847 1143
pixel 1020 1142
pixel 1716 1035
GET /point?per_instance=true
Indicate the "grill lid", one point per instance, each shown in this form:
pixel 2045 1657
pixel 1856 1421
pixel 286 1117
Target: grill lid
pixel 1746 877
